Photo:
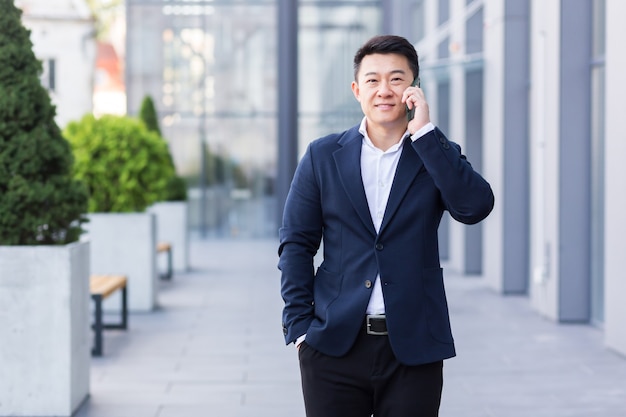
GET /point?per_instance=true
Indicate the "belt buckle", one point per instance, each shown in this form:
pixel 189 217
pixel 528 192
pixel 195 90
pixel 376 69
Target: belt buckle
pixel 369 324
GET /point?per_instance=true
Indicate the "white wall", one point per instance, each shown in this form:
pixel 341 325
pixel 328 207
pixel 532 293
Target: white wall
pixel 457 118
pixel 615 171
pixel 493 119
pixel 63 30
pixel 544 133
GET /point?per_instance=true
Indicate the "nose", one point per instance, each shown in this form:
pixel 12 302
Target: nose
pixel 384 89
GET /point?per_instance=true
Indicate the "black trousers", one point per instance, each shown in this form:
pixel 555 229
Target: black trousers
pixel 368 381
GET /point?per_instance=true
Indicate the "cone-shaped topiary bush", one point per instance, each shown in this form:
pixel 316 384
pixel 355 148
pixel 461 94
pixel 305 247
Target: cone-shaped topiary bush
pixel 40 202
pixel 176 187
pixel 125 167
pixel 148 115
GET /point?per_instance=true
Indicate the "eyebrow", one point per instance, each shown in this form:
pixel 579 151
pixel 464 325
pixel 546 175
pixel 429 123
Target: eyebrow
pixel 397 71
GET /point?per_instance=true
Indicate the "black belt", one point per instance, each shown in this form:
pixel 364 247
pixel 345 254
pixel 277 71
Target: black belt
pixel 376 324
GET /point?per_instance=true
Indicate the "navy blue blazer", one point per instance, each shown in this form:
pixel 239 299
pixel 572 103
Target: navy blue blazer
pixel 327 201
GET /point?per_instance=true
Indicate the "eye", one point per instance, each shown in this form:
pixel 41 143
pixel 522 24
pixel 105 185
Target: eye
pixel 370 81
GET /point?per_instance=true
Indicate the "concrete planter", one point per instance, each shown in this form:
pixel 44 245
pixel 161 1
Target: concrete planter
pixel 125 243
pixel 173 227
pixel 45 336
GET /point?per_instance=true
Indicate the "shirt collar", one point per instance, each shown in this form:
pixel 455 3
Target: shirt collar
pixel 368 141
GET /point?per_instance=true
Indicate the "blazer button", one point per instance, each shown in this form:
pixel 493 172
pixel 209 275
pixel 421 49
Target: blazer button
pixel 368 284
pixel 379 246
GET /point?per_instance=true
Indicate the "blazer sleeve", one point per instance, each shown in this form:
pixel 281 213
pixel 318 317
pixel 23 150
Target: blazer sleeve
pixel 300 237
pixel 465 193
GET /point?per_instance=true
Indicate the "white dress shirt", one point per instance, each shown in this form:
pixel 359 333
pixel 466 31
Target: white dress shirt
pixel 378 169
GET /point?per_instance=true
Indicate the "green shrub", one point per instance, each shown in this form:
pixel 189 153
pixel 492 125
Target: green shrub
pixel 40 202
pixel 176 186
pixel 148 115
pixel 176 189
pixel 126 167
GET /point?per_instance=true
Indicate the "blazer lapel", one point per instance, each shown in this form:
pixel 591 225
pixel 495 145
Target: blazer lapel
pixel 408 167
pixel 348 162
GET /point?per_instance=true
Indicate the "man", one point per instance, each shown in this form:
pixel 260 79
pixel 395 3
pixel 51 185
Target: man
pixel 371 324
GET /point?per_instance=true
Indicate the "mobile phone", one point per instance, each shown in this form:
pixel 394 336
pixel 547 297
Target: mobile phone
pixel 411 113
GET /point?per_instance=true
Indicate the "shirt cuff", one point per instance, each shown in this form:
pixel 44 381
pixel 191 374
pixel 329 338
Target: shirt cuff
pixel 300 340
pixel 428 127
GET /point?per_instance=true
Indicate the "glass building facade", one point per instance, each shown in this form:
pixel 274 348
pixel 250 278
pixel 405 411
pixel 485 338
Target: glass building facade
pixel 211 68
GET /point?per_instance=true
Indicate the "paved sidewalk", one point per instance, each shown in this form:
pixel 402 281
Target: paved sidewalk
pixel 214 347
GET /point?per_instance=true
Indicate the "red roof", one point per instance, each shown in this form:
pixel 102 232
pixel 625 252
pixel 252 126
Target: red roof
pixel 110 72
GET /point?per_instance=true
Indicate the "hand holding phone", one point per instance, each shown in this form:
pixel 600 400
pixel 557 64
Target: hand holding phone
pixel 410 113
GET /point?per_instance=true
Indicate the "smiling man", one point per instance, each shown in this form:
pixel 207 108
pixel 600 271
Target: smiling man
pixel 371 323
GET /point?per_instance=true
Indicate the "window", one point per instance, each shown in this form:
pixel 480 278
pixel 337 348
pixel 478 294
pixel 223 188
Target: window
pixel 48 75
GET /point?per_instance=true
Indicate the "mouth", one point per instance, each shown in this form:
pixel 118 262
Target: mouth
pixel 384 106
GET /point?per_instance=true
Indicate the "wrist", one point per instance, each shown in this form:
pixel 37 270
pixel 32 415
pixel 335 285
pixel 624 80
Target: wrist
pixel 422 131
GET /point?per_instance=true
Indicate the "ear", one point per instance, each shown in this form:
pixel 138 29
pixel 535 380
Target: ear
pixel 355 90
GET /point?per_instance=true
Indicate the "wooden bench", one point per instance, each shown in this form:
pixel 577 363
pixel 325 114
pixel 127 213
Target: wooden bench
pixel 167 248
pixel 101 286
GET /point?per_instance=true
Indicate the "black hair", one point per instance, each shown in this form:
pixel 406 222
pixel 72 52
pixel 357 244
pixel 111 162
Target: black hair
pixel 387 44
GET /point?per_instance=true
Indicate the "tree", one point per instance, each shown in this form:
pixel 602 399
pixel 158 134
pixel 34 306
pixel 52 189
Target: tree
pixel 106 12
pixel 40 201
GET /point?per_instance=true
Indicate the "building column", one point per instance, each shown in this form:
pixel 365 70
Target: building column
pixel 560 159
pixel 456 133
pixel 287 101
pixel 506 230
pixel 615 170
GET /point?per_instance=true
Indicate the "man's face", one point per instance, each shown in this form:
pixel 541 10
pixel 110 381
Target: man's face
pixel 381 80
